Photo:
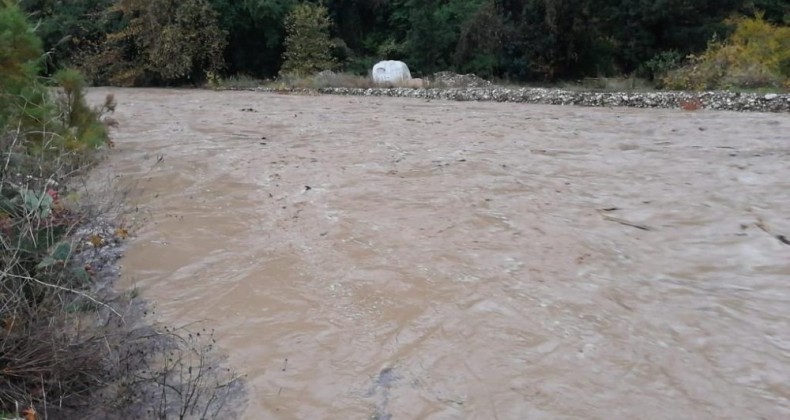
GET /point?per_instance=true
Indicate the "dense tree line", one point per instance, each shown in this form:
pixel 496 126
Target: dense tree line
pixel 176 41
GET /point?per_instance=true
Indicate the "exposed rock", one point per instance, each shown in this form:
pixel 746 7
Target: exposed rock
pixel 102 245
pixel 390 72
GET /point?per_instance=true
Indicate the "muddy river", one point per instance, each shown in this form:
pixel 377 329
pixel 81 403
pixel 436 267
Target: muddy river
pixel 401 258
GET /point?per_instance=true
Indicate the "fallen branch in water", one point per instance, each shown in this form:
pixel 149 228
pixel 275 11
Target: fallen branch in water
pixel 625 222
pixel 761 224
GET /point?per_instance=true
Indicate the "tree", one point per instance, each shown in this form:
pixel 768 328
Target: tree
pixel 20 50
pixel 256 29
pixel 162 41
pixel 480 42
pixel 307 44
pixel 67 28
pixel 20 54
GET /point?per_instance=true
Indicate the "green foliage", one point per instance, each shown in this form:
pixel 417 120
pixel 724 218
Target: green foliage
pixel 20 51
pixel 662 63
pixel 84 128
pixel 39 205
pixel 307 46
pixel 430 31
pixel 69 29
pixel 35 258
pixel 59 351
pixel 41 124
pixel 145 42
pixel 480 41
pixel 256 29
pixel 161 41
pixel 756 55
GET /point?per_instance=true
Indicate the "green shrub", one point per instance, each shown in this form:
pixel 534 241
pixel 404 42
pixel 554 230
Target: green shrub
pixel 84 130
pixel 756 55
pixel 661 64
pixel 20 53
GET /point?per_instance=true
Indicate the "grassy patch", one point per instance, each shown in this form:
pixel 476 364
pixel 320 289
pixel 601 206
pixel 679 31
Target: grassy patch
pixel 240 82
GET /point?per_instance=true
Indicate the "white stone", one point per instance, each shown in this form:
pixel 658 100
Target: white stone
pixel 394 72
pixel 770 96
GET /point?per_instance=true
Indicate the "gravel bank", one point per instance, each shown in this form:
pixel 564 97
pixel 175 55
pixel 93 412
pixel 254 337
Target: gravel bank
pixel 726 101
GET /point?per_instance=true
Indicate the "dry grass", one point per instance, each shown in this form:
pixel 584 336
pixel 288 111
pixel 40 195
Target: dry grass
pixel 333 80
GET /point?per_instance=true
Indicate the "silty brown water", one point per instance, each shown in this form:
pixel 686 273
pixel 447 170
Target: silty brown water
pixel 446 260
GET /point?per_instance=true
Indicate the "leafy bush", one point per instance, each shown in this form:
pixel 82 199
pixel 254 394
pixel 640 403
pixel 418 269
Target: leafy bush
pixel 20 51
pixel 308 47
pixel 159 41
pixel 756 55
pixel 662 63
pixel 480 42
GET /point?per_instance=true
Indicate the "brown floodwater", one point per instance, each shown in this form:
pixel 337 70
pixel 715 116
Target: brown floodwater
pixel 451 260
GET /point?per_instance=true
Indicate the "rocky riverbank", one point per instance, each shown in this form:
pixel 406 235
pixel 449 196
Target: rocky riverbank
pixel 725 101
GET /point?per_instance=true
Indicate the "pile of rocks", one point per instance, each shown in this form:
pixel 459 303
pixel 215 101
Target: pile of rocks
pixel 101 245
pixel 729 101
pixel 448 79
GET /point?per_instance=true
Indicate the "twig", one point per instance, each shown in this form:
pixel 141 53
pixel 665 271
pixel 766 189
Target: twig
pixel 761 224
pixel 66 289
pixel 625 222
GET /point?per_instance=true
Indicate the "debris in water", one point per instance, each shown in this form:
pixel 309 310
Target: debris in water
pixel 626 222
pixel 381 387
pixel 761 224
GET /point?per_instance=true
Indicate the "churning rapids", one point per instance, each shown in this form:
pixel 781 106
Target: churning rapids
pixel 455 260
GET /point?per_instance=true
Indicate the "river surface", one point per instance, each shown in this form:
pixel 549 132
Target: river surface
pixel 401 259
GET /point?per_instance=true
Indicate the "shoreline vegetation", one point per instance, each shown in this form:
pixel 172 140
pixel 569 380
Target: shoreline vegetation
pixel 71 345
pixel 697 46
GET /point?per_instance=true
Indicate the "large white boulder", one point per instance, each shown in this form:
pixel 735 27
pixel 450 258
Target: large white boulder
pixel 391 72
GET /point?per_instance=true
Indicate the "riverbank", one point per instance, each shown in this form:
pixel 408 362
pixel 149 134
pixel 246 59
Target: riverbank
pixel 718 100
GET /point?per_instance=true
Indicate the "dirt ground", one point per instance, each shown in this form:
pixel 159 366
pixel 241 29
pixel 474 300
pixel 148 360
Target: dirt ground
pixel 399 258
